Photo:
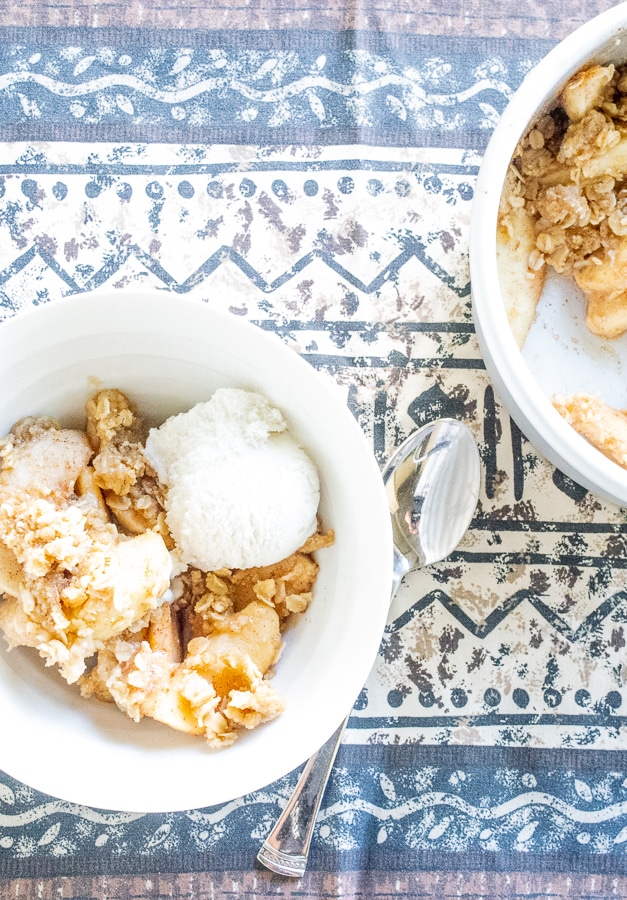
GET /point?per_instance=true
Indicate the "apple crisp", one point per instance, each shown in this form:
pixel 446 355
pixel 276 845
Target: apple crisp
pixel 564 207
pixel 564 203
pixel 87 578
pixel 70 579
pixel 602 426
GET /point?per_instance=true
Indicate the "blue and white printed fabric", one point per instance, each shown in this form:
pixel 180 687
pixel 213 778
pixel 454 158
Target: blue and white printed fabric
pixel 320 185
pixel 264 87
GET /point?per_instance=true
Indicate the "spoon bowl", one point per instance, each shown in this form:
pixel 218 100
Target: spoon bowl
pixel 432 482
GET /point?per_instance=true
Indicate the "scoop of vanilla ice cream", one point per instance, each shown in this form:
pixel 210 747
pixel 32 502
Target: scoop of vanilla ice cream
pixel 241 491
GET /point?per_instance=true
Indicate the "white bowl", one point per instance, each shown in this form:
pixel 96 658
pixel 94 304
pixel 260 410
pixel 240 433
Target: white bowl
pixel 168 353
pixel 559 356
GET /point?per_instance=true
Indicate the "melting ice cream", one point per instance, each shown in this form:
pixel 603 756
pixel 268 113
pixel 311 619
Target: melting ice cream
pixel 241 492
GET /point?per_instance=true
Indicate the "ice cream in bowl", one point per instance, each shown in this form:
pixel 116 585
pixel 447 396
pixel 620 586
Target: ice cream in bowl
pixel 195 553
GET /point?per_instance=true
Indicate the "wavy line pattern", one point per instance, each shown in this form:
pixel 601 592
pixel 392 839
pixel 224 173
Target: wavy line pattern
pixel 58 807
pixel 271 95
pixel 413 803
pixel 334 90
pixel 431 799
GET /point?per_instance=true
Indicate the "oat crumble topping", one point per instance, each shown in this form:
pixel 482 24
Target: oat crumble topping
pixel 85 567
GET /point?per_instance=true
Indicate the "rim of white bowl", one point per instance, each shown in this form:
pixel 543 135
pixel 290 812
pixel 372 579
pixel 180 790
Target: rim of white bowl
pixel 528 405
pixel 101 793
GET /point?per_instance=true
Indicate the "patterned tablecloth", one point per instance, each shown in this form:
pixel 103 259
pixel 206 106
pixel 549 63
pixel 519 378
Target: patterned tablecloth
pixel 319 183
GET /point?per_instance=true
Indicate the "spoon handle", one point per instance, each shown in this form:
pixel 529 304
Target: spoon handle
pixel 286 848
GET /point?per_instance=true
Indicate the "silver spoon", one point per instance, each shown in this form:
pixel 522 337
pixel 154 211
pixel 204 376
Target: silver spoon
pixel 432 482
